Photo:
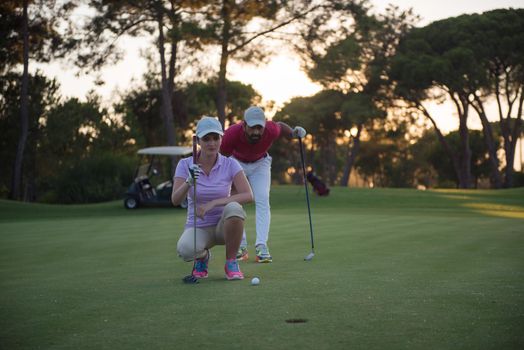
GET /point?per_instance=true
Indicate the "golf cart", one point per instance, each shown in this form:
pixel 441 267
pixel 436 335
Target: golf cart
pixel 142 193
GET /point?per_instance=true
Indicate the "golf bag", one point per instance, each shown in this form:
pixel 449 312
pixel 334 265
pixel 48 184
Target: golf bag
pixel 319 187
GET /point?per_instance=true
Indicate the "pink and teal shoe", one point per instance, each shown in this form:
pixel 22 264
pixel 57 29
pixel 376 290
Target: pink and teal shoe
pixel 200 266
pixel 233 270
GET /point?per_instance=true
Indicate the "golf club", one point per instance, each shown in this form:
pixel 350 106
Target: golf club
pixel 190 279
pixel 312 254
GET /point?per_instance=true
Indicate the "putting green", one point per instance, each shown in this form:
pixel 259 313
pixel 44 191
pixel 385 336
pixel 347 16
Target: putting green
pixel 393 269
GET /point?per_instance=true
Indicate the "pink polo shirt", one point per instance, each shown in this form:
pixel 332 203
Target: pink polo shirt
pixel 235 143
pixel 209 187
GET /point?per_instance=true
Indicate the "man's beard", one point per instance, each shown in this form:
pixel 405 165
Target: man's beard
pixel 253 138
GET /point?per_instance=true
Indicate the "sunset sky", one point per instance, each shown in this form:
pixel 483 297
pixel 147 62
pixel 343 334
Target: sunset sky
pixel 282 78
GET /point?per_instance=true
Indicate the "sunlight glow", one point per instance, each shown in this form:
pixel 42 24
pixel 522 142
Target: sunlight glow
pixel 279 81
pixel 500 210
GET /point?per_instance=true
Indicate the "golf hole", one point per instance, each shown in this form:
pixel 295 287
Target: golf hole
pixel 296 320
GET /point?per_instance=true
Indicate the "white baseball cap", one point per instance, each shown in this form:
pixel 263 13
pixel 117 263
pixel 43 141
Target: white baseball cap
pixel 255 116
pixel 208 125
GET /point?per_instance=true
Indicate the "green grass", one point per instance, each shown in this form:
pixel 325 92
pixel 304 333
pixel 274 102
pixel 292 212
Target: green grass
pixel 394 269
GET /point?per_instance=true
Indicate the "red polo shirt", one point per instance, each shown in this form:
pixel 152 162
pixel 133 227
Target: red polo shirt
pixel 235 143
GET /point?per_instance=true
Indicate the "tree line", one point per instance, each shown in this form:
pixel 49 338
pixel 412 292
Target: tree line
pixel 378 73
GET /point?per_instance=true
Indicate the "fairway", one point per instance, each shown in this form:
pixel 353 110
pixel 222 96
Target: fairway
pixel 394 269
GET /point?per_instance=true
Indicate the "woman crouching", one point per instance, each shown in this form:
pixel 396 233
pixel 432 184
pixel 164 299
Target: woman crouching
pixel 220 216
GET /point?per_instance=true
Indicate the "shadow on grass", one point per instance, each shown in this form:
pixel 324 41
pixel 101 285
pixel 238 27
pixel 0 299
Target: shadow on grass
pixel 21 211
pixel 507 203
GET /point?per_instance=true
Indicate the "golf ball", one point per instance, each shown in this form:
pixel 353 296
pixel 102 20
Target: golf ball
pixel 255 281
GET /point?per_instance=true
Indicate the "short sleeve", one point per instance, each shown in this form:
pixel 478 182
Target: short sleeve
pixel 235 167
pixel 182 168
pixel 274 128
pixel 226 146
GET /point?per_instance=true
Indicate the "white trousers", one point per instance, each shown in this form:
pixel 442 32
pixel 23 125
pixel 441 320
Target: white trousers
pixel 259 176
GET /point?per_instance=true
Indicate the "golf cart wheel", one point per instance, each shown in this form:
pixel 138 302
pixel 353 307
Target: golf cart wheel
pixel 130 203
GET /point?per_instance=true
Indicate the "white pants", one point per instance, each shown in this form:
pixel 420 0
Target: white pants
pixel 259 176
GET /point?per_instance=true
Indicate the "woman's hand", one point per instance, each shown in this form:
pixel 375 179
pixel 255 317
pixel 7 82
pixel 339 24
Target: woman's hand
pixel 203 209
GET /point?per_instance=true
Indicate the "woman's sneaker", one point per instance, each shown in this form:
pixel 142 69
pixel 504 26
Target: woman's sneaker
pixel 242 254
pixel 262 254
pixel 233 270
pixel 200 266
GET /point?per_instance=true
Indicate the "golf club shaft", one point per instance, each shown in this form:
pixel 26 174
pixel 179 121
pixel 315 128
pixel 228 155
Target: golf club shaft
pixel 195 161
pixel 191 279
pixel 307 193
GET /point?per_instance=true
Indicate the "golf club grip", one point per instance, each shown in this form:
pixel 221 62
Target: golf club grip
pixel 307 192
pixel 195 154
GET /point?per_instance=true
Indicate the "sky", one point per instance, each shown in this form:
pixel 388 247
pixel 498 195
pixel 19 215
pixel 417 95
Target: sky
pixel 279 80
pixel 282 78
pixel 287 69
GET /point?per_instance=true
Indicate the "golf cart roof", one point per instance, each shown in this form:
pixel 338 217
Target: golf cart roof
pixel 166 151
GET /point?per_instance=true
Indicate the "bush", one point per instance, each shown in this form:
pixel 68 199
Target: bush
pixel 518 179
pixel 99 178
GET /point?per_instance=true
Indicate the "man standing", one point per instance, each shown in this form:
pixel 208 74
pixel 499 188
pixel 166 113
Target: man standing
pixel 248 142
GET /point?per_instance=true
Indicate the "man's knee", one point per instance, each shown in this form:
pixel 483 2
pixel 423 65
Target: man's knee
pixel 262 202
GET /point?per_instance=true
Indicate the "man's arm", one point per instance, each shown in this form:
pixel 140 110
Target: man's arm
pixel 225 147
pixel 285 130
pixel 290 133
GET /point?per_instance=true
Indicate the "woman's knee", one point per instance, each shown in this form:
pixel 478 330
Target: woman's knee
pixel 234 210
pixel 185 250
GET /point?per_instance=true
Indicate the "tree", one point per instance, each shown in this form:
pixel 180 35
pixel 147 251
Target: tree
pixel 199 97
pixel 469 60
pixel 24 108
pixel 386 159
pixel 229 26
pixel 430 156
pixel 354 59
pixel 44 40
pixel 320 115
pixel 497 40
pixel 428 67
pixel 172 24
pixel 42 96
pixel 28 29
pixel 139 108
pixel 84 154
pixel 362 110
pixel 71 128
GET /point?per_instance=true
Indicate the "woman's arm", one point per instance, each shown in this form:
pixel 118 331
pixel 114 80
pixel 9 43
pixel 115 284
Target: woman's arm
pixel 180 189
pixel 243 195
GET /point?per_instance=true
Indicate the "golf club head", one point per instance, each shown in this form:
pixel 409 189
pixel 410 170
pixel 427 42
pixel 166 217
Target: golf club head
pixel 309 257
pixel 190 279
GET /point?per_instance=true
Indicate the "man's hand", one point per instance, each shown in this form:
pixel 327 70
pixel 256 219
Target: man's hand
pixel 194 173
pixel 298 132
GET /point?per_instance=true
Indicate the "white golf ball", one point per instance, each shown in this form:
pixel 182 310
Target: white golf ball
pixel 255 281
